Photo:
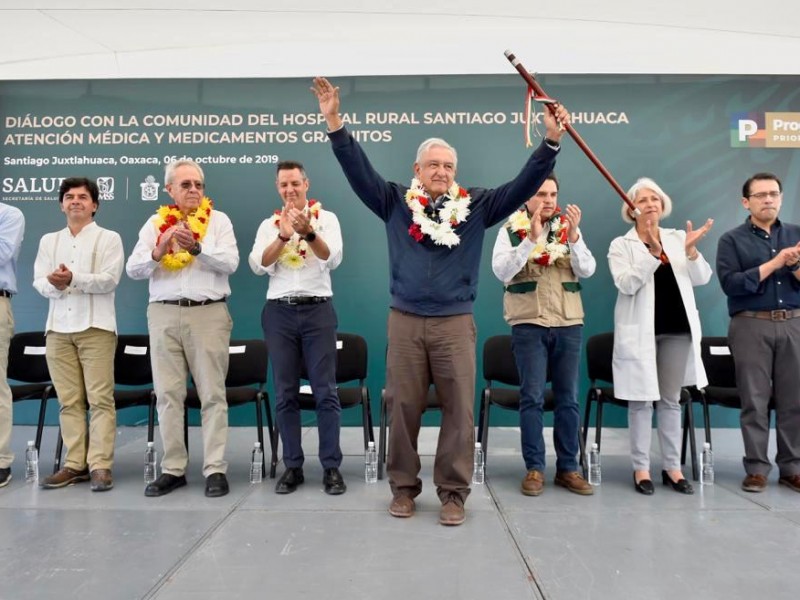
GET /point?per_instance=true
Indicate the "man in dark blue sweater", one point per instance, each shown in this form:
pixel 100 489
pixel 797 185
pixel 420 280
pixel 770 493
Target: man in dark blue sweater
pixel 435 233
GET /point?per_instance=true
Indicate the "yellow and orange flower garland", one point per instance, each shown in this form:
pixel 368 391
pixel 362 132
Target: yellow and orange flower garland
pixel 177 258
pixel 555 244
pixel 293 254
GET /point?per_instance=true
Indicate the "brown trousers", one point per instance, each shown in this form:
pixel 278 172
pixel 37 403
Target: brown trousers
pixel 421 351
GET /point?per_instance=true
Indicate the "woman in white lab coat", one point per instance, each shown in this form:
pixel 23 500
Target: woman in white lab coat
pixel 656 328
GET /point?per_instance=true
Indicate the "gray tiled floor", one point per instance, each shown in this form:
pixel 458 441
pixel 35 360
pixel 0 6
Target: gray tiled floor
pixel 719 543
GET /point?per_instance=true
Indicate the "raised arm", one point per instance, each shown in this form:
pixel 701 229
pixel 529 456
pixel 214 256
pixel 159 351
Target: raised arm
pixel 379 196
pixel 506 198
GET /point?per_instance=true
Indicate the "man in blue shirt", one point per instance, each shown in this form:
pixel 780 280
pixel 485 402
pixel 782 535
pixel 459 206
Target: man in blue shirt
pixel 12 228
pixel 758 264
pixel 435 232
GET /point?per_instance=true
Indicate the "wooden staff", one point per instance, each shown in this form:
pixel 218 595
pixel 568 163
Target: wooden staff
pixel 534 85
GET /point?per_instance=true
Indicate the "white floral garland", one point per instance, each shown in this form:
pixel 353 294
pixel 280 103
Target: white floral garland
pixel 555 244
pixel 453 211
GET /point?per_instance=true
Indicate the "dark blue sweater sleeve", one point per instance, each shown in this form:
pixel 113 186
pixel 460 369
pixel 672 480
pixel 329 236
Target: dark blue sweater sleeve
pixel 505 199
pixel 379 196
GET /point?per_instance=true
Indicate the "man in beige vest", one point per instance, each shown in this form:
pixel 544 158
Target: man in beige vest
pixel 78 269
pixel 539 255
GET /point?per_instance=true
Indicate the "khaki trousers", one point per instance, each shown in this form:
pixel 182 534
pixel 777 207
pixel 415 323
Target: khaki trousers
pixel 421 351
pixel 192 340
pixel 6 412
pixel 82 369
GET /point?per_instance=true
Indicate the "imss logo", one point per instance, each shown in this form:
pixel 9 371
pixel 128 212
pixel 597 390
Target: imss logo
pixel 106 187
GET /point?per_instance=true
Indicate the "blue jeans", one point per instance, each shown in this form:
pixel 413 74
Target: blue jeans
pixel 538 350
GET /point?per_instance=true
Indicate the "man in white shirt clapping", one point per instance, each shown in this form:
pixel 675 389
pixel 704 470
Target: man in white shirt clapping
pixel 298 247
pixel 187 250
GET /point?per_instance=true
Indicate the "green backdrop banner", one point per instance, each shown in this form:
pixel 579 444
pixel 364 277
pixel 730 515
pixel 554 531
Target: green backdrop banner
pixel 698 137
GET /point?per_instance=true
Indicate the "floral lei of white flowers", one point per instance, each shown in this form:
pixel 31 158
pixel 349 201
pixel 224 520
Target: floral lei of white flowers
pixel 555 244
pixel 453 211
pixel 294 252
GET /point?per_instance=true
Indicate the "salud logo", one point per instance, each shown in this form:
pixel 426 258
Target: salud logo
pixel 149 189
pixel 106 186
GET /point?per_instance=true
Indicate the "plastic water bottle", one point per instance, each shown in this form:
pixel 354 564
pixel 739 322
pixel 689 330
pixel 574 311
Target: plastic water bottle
pixel 707 465
pixel 31 463
pixel 477 465
pixel 595 470
pixel 371 464
pixel 150 458
pixel 256 463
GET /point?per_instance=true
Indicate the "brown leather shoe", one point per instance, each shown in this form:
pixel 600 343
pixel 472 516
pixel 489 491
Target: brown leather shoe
pixel 64 477
pixel 791 481
pixel 102 481
pixel 574 482
pixel 533 484
pixel 402 506
pixel 754 483
pixel 452 512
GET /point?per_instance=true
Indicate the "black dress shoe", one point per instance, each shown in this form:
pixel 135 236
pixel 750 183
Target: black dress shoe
pixel 682 486
pixel 216 485
pixel 645 486
pixel 334 484
pixel 164 485
pixel 291 478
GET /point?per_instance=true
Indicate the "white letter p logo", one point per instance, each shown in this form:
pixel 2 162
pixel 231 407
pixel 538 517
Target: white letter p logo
pixel 746 129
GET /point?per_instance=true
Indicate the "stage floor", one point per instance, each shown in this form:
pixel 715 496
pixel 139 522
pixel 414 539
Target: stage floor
pixel 719 543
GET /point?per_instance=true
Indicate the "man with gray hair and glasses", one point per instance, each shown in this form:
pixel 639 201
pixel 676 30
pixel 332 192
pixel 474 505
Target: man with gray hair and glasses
pixel 435 232
pixel 187 250
pixel 758 264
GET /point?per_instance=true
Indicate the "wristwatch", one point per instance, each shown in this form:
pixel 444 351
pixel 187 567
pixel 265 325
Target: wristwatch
pixel 794 267
pixel 310 237
pixel 196 249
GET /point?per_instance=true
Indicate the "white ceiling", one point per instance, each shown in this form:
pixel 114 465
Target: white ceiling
pixel 67 39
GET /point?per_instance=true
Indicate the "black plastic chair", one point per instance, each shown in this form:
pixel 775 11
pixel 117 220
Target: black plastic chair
pixel 500 367
pixel 351 365
pixel 599 352
pixel 134 373
pixel 133 370
pixel 721 373
pixel 244 383
pixel 432 404
pixel 28 365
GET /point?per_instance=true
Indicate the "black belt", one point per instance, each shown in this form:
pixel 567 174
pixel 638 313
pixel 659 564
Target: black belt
pixel 300 300
pixel 186 302
pixel 5 294
pixel 770 315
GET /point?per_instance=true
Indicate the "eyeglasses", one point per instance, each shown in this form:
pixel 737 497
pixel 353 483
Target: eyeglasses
pixel 187 185
pixel 765 195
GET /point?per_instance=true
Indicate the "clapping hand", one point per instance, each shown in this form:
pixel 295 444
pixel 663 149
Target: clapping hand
pixel 694 235
pixel 651 238
pixel 573 218
pixel 60 278
pixel 536 222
